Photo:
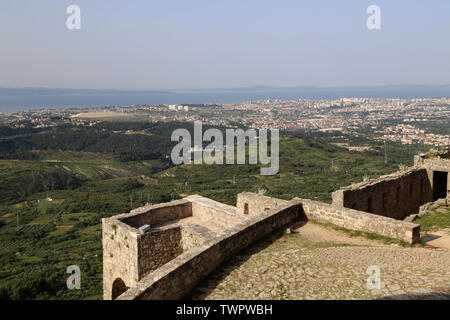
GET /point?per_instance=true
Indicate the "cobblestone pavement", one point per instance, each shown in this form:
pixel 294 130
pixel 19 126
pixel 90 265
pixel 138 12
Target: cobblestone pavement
pixel 293 267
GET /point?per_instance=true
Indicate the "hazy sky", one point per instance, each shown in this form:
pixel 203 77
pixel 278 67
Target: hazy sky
pixel 182 44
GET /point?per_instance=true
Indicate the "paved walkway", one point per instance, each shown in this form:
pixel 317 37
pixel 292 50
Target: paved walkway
pixel 439 239
pixel 317 262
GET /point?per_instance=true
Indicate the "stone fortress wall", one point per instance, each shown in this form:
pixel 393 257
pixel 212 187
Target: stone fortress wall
pixel 400 194
pixel 167 261
pixel 175 227
pixel 185 240
pixel 396 195
pixel 253 204
pixel 177 278
pixel 361 221
pixel 438 171
pixel 128 253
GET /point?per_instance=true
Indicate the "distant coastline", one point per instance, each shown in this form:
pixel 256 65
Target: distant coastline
pixel 21 99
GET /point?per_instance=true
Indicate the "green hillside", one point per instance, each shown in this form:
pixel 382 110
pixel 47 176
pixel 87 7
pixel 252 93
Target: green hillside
pixel 308 169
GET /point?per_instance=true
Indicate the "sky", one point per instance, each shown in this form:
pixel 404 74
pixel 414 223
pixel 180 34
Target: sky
pixel 179 44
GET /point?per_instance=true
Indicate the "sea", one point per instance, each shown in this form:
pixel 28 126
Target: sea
pixel 22 99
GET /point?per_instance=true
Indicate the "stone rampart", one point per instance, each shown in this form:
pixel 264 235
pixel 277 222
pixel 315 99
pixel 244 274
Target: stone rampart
pixel 397 195
pixel 434 164
pixel 120 259
pixel 360 221
pixel 158 213
pixel 177 278
pixel 214 212
pixel 157 247
pixel 251 204
pixel 128 253
pixel 168 260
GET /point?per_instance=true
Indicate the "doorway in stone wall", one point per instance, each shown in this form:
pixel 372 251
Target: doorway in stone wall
pixel 118 288
pixel 439 184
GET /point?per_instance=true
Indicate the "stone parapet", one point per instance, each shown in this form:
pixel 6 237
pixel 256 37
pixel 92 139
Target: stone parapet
pixel 178 277
pixel 360 221
pixel 214 212
pixel 251 204
pixel 396 195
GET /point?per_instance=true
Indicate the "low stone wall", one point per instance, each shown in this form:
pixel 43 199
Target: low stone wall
pixel 251 204
pixel 178 277
pixel 158 213
pixel 396 195
pixel 214 212
pixel 360 221
pixel 157 247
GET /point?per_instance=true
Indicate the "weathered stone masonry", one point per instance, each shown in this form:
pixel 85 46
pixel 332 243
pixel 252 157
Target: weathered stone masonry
pixel 361 221
pixel 178 277
pixel 400 194
pixel 129 253
pixel 253 204
pixel 438 171
pixel 170 259
pixel 396 195
pixel 189 238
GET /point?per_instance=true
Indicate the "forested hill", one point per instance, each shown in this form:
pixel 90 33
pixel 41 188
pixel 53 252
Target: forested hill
pixel 125 141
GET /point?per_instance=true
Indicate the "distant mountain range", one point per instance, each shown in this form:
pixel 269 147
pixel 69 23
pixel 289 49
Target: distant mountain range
pixel 18 99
